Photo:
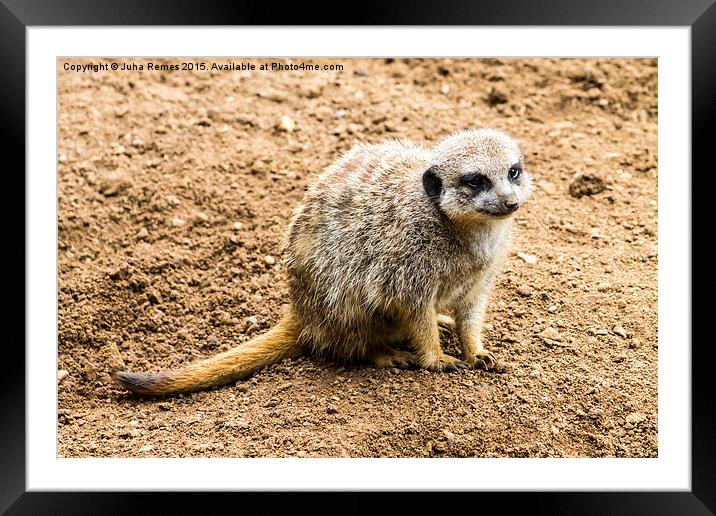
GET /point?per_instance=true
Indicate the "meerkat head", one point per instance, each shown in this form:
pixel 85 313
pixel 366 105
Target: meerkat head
pixel 477 175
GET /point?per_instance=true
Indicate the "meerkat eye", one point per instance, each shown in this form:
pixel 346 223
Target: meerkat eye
pixel 514 172
pixel 477 182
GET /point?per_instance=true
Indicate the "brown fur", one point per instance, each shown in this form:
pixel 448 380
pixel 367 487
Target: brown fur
pixel 373 261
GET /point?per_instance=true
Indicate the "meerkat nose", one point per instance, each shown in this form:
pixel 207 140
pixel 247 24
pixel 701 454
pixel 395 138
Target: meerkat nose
pixel 511 204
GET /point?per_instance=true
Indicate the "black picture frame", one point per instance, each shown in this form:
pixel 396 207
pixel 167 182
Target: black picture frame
pixel 17 15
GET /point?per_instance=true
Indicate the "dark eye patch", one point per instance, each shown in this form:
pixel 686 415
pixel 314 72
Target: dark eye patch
pixel 477 182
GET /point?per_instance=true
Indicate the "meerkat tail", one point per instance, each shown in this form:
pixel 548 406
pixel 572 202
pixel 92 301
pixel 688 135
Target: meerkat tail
pixel 271 347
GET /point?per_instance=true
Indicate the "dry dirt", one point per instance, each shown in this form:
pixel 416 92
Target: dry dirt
pixel 175 186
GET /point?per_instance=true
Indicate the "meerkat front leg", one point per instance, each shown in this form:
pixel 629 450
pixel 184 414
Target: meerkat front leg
pixel 469 315
pixel 422 330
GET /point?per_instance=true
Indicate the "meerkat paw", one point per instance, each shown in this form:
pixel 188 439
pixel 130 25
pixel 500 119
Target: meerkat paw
pixel 394 358
pixel 443 363
pixel 446 323
pixel 483 359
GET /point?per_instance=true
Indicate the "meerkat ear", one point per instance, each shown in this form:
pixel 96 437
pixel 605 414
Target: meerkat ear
pixel 432 184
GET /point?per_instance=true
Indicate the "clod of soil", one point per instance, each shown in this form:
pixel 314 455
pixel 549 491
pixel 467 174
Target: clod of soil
pixel 586 184
pixel 496 96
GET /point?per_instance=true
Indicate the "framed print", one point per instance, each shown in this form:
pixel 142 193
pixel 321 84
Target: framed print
pixel 447 252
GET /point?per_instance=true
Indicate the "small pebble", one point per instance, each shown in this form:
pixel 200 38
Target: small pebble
pixel 528 258
pixel 635 418
pixel 619 330
pixel 270 260
pixel 146 448
pixel 546 186
pixel 177 222
pixel 143 233
pixel 62 374
pixel 237 226
pixel 286 124
pixel 154 297
pixel 114 183
pixel 551 334
pixel 285 386
pixel 524 290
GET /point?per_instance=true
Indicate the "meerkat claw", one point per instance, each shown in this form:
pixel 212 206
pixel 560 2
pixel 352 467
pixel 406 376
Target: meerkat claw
pixel 485 360
pixel 447 364
pixel 394 358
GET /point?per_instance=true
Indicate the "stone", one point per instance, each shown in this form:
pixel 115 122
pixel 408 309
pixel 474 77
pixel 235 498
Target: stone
pixel 635 418
pixel 527 258
pixel 286 124
pixel 524 290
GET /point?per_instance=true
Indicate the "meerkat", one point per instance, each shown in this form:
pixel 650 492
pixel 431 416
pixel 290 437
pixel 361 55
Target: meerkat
pixel 387 240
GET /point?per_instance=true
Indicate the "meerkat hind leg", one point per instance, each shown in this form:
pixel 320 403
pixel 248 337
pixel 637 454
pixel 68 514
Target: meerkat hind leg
pixel 388 356
pixel 446 323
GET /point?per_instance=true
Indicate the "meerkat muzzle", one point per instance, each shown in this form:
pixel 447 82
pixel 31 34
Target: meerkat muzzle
pixel 510 205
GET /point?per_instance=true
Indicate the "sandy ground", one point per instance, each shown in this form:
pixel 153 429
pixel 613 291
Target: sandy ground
pixel 175 187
